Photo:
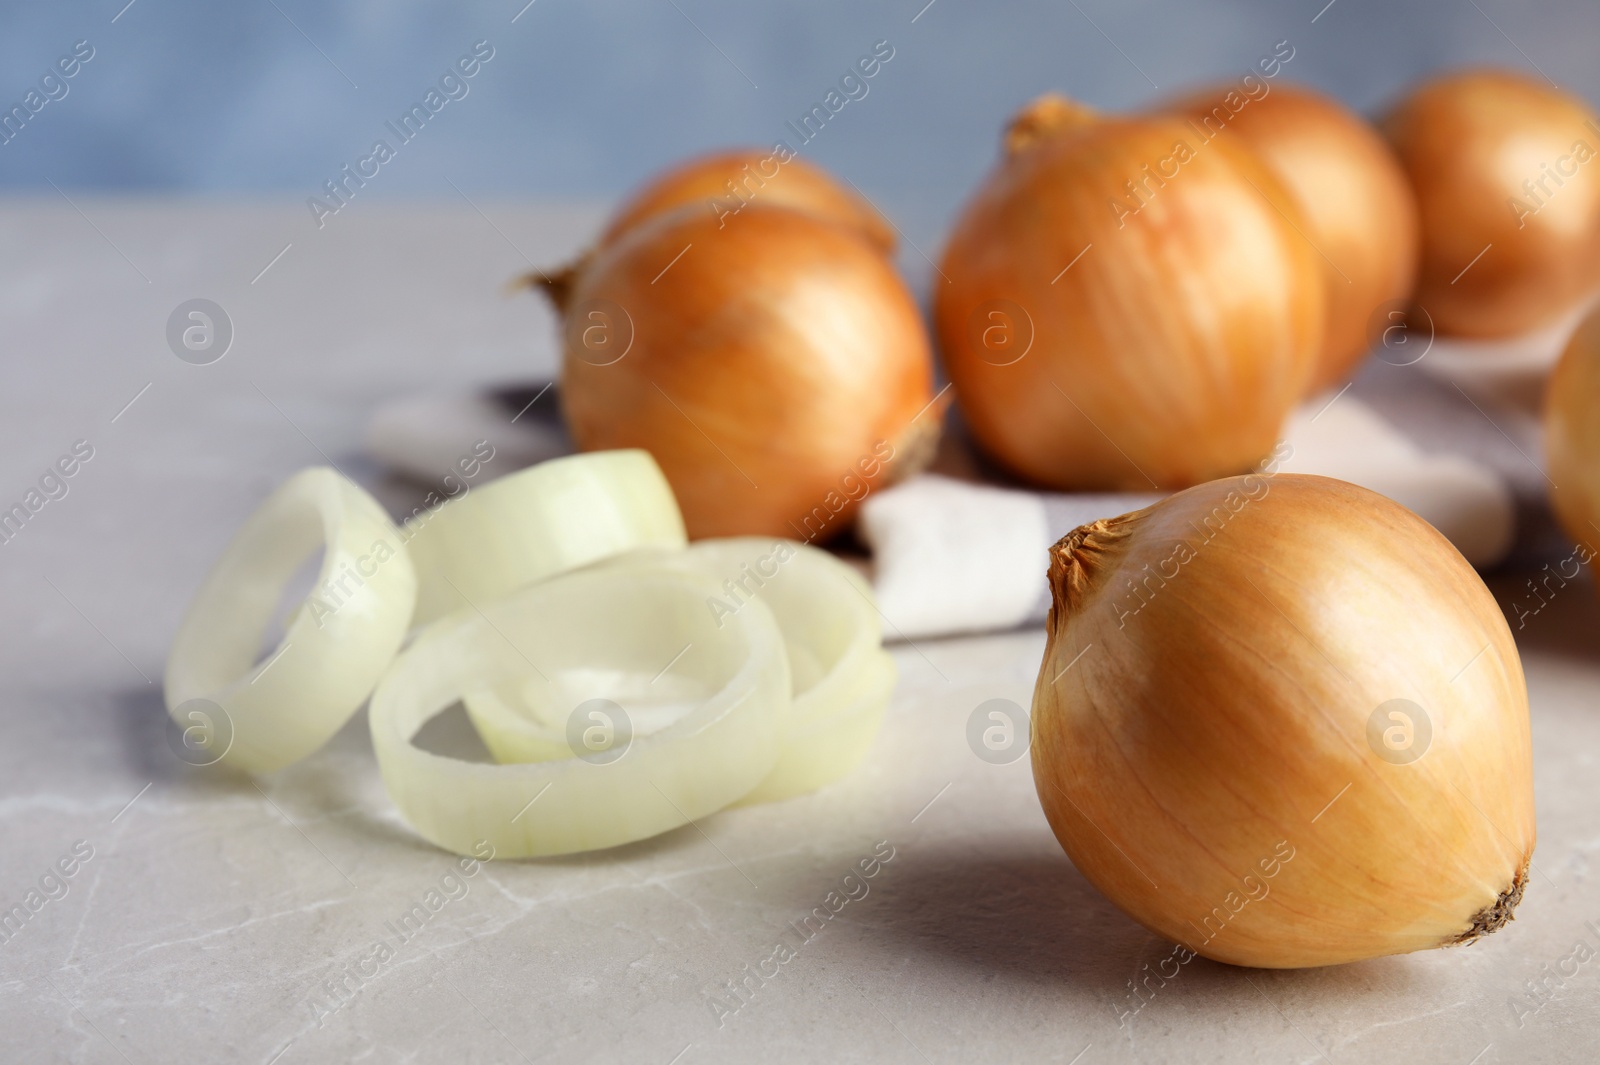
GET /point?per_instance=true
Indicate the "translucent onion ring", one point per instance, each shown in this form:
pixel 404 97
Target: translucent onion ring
pixel 634 618
pixel 288 704
pixel 538 522
pixel 842 677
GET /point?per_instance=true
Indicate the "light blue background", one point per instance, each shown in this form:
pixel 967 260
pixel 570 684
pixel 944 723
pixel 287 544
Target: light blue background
pixel 585 97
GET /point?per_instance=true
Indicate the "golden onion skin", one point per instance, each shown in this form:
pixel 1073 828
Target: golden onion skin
pixel 1572 435
pixel 776 369
pixel 1468 141
pixel 1171 350
pixel 1222 714
pixel 1356 201
pixel 755 176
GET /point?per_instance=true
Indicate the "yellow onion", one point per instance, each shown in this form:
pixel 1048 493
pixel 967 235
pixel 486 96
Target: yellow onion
pixel 1572 437
pixel 723 183
pixel 1127 304
pixel 1282 722
pixel 1356 202
pixel 777 368
pixel 1507 176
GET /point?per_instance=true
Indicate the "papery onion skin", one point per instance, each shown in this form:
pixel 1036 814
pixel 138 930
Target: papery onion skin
pixel 1468 141
pixel 720 181
pixel 1357 204
pixel 778 369
pixel 1167 345
pixel 1220 715
pixel 1572 436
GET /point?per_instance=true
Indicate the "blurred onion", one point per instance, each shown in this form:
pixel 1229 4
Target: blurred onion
pixel 1357 204
pixel 777 368
pixel 724 182
pixel 1572 437
pixel 1506 176
pixel 1102 335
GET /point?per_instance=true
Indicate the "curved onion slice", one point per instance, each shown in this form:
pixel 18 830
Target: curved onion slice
pixel 822 747
pixel 335 648
pixel 588 636
pixel 841 675
pixel 541 521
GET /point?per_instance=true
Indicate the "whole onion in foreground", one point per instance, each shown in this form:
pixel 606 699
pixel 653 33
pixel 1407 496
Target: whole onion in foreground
pixel 1127 305
pixel 1507 178
pixel 1282 722
pixel 1572 437
pixel 1357 204
pixel 777 368
pixel 724 183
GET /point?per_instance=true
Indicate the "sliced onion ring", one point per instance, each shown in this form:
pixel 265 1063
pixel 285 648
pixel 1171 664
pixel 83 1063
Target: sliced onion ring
pixel 538 522
pixel 288 704
pixel 631 620
pixel 841 675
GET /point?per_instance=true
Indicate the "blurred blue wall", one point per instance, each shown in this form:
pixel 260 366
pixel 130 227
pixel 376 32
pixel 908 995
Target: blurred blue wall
pixel 584 97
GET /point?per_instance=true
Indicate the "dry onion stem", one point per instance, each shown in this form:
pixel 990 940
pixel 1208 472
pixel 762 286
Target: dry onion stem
pixel 1242 645
pixel 1127 305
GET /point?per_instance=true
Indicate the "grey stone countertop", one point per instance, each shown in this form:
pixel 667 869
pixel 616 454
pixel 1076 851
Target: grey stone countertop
pixel 208 915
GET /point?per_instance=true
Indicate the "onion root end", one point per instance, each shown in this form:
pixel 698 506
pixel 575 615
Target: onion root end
pixel 1497 914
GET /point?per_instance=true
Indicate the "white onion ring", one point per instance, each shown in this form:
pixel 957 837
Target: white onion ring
pixel 336 647
pixel 538 522
pixel 630 619
pixel 841 675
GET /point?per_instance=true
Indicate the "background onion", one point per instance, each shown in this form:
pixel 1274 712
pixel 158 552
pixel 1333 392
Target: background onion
pixel 774 367
pixel 1357 205
pixel 1572 436
pixel 720 181
pixel 1095 347
pixel 1468 142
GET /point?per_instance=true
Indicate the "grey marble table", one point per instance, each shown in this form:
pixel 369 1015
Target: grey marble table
pixel 214 918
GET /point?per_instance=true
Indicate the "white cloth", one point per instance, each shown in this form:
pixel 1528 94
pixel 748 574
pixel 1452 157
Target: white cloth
pixel 952 556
